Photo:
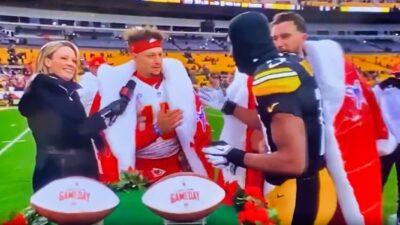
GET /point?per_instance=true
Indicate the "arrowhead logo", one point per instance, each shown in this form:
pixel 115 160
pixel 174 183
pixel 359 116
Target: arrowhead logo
pixel 157 172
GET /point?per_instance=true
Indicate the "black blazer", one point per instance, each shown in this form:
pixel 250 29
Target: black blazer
pixel 61 129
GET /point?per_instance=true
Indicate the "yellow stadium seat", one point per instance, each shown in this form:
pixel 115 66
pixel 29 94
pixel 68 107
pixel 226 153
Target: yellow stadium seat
pixel 217 62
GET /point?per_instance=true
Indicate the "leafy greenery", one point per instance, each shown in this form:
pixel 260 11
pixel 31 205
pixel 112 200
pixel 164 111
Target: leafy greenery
pixel 130 180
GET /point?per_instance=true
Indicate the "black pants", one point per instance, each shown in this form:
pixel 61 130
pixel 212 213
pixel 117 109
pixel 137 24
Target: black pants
pixel 50 167
pixel 387 163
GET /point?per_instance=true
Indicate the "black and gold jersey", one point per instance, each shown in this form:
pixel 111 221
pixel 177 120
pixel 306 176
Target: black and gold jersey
pixel 286 85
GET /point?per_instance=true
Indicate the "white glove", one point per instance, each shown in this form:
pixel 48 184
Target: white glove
pixel 219 162
pixel 230 168
pixel 216 154
pixel 222 155
pixel 211 97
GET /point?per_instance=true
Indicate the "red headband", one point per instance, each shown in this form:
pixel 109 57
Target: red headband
pixel 143 45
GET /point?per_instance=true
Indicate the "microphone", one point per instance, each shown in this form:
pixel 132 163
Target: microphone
pixel 126 92
pixel 117 107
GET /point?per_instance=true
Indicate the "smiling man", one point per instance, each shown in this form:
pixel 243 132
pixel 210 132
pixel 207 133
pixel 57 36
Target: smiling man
pixel 288 31
pixel 164 126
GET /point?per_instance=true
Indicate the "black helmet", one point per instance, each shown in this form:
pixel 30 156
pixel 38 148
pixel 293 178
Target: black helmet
pixel 251 41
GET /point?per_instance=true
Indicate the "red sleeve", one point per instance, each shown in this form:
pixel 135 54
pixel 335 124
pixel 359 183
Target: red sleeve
pixel 203 129
pixel 108 163
pixel 95 104
pixel 202 139
pixel 252 99
pixel 254 178
pixel 379 124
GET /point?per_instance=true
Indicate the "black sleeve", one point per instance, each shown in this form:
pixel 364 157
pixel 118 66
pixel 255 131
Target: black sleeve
pixel 93 125
pixel 30 102
pixel 90 126
pixel 280 103
pixel 46 126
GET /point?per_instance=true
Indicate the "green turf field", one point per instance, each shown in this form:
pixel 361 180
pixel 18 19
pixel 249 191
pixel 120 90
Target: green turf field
pixel 17 152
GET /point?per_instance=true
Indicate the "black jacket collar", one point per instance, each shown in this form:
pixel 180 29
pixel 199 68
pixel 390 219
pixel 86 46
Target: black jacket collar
pixel 57 83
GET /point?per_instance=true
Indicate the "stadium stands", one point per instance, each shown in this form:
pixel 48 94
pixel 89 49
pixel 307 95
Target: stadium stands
pixel 372 48
pixel 204 63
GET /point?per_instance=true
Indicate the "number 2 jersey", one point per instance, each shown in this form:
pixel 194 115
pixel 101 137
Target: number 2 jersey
pixel 286 85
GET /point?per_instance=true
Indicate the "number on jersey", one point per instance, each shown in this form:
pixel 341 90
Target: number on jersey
pixel 148 117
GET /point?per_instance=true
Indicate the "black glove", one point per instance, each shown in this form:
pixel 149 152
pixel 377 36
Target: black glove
pixel 116 108
pixel 113 110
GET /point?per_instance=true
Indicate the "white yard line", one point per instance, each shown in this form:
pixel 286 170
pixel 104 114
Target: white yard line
pixel 15 140
pixel 7 108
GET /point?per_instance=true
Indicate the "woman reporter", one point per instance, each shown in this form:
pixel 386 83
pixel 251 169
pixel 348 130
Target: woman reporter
pixel 58 121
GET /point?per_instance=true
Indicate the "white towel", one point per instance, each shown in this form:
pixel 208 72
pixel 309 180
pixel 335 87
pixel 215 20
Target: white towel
pixel 327 60
pixel 120 135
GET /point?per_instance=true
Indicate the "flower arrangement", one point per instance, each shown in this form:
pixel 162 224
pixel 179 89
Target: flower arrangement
pixel 253 209
pixel 16 219
pixel 27 217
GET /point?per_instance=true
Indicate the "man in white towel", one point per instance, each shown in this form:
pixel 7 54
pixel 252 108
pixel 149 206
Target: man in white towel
pixel 288 104
pixel 348 105
pixel 164 126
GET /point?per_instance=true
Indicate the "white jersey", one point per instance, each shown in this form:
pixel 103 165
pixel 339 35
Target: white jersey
pixel 90 86
pixel 389 101
pixel 148 103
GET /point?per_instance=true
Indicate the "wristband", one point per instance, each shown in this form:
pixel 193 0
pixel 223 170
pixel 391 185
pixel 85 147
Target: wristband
pixel 157 129
pixel 236 156
pixel 228 108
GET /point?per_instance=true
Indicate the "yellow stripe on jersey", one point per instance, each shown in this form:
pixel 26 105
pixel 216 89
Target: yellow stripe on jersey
pixel 271 71
pixel 276 83
pixel 307 66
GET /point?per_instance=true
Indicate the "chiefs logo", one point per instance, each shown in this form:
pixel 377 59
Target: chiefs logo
pixel 157 172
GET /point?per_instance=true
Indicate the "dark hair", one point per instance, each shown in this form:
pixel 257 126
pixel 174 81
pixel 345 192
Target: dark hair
pixel 298 20
pixel 142 33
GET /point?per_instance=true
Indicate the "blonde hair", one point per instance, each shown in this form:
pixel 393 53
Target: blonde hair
pixel 47 51
pixel 138 33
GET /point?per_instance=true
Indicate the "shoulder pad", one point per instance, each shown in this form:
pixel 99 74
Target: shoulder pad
pixel 275 79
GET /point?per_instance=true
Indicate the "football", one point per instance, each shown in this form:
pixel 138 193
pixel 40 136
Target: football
pixel 183 197
pixel 74 200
